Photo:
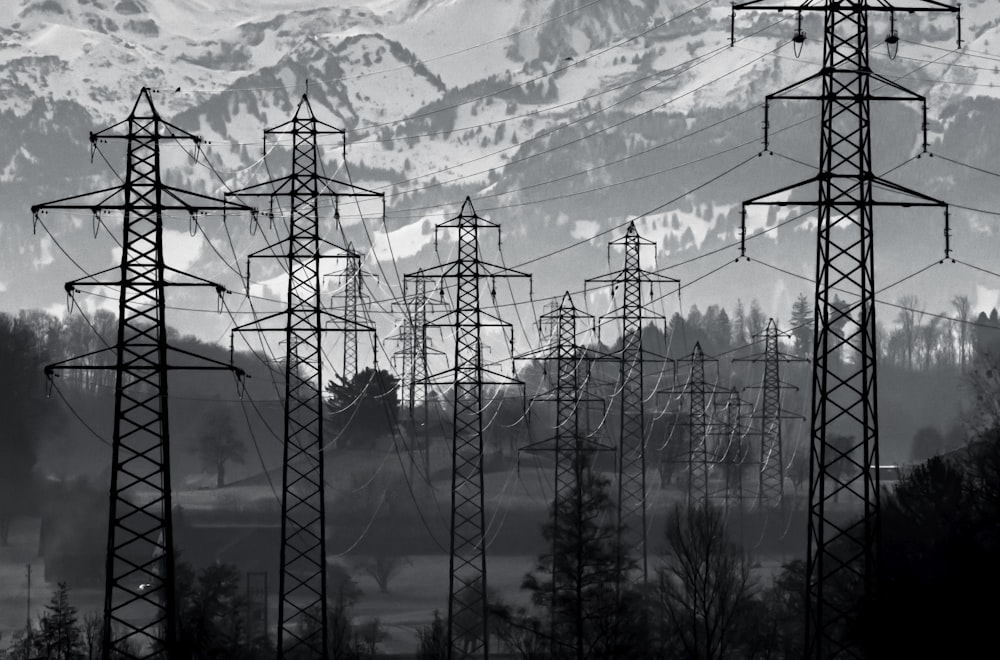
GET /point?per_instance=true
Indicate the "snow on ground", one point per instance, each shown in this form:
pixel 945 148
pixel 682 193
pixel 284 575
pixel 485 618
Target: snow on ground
pixel 407 240
pixel 446 27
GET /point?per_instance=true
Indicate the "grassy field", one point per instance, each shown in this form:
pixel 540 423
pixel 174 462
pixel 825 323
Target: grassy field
pixel 239 524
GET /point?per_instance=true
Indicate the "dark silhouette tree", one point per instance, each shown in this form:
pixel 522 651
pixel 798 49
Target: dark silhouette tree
pixel 963 315
pixel 927 442
pixel 25 415
pixel 740 325
pixel 705 586
pixel 362 408
pixel 59 634
pixel 433 640
pixel 589 614
pixel 802 326
pixel 383 566
pixel 218 444
pixel 756 322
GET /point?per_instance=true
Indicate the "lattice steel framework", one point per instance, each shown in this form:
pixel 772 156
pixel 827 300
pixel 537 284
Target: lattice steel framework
pixel 412 356
pixel 468 617
pixel 700 396
pixel 351 298
pixel 843 549
pixel 632 434
pixel 415 346
pixel 570 450
pixel 302 604
pixel 139 597
pixel 771 472
pixel 733 455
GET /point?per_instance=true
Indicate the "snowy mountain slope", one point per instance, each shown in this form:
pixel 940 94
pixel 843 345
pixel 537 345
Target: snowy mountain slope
pixel 549 146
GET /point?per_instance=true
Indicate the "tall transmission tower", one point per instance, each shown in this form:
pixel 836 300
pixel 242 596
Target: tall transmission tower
pixel 570 449
pixel 352 298
pixel 632 430
pixel 700 457
pixel 771 473
pixel 415 349
pixel 468 616
pixel 733 454
pixel 844 379
pixel 302 604
pixel 139 597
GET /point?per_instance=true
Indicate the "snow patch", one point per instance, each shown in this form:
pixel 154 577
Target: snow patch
pixel 406 241
pixel 181 250
pixel 584 229
pixel 45 256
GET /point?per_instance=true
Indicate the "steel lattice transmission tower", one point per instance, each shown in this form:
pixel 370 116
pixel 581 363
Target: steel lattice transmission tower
pixel 700 395
pixel 632 430
pixel 302 605
pixel 570 450
pixel 468 620
pixel 139 598
pixel 733 455
pixel 352 297
pixel 415 349
pixel 771 472
pixel 844 378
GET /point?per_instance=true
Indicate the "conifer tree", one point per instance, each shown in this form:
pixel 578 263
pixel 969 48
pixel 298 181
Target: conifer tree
pixel 59 634
pixel 586 606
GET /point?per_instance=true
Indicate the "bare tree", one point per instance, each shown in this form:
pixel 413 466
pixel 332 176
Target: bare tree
pixel 929 335
pixel 382 567
pixel 909 322
pixel 963 314
pixel 93 631
pixel 218 444
pixel 705 585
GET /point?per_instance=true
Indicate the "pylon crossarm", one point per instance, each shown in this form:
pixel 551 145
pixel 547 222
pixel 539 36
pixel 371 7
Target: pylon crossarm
pixel 211 362
pixel 910 94
pixel 923 200
pixel 346 324
pixel 449 377
pixel 644 276
pixel 67 364
pixel 824 6
pixel 277 187
pixel 255 325
pixel 762 200
pixel 441 271
pixel 178 195
pixel 782 94
pixel 88 281
pixel 177 134
pixel 320 242
pixel 328 181
pixel 198 281
pixel 60 204
pixel 618 312
pixel 450 320
pixel 281 130
pixel 550 445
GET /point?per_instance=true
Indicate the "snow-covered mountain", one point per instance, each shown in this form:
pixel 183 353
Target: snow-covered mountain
pixel 561 120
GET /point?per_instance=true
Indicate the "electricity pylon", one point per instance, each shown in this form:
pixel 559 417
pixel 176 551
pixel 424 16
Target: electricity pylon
pixel 351 300
pixel 570 450
pixel 139 594
pixel 468 615
pixel 733 454
pixel 632 433
pixel 844 379
pixel 700 396
pixel 771 472
pixel 302 604
pixel 412 357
